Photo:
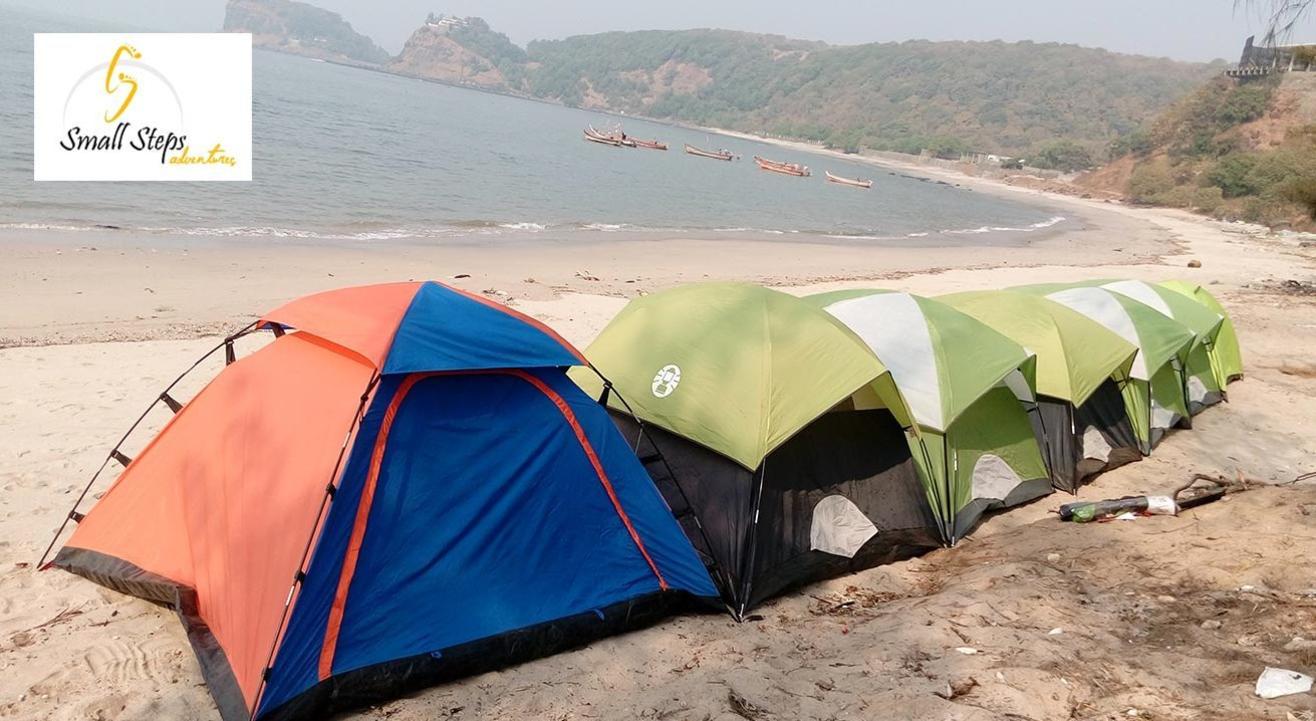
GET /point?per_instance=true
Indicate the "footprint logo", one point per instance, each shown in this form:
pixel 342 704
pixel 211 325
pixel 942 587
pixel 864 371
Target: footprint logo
pixel 666 381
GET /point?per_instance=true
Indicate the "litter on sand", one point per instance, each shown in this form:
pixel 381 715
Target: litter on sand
pixel 1277 682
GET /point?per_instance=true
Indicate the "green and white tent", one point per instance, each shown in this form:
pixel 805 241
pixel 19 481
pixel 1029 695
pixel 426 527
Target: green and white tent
pixel 1158 401
pixel 1228 355
pixel 1082 378
pixel 1205 378
pixel 776 436
pixel 966 386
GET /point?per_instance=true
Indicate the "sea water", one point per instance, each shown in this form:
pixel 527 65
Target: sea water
pixel 346 153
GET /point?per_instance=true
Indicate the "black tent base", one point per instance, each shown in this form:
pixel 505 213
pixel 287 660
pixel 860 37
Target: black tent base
pixel 380 682
pixel 394 679
pixel 127 578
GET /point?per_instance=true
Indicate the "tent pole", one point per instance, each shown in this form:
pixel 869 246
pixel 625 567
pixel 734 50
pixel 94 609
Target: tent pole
pixel 609 388
pixel 114 452
pixel 747 572
pixel 1033 407
pixel 927 459
pixel 950 487
pixel 329 491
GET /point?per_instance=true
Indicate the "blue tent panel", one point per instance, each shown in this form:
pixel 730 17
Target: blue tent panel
pixel 488 517
pixel 447 330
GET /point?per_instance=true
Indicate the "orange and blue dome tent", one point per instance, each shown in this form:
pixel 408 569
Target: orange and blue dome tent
pixel 401 487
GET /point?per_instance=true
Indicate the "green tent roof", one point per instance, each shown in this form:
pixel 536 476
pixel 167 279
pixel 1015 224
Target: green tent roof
pixel 1226 345
pixel 943 360
pixel 1159 338
pixel 1075 354
pixel 735 367
pixel 963 382
pixel 1201 320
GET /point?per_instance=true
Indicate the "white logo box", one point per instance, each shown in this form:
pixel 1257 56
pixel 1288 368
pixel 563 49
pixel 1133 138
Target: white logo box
pixel 183 102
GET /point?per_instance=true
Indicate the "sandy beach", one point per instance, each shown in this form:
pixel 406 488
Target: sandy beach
pixel 1163 618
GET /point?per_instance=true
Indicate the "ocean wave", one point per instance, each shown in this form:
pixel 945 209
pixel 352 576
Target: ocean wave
pixel 467 228
pixel 51 226
pixel 532 227
pixel 1041 225
pixel 1056 220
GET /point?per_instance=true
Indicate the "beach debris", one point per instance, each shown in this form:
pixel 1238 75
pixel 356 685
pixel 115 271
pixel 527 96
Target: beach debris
pixel 1199 490
pixel 1211 624
pixel 967 650
pixel 459 276
pixel 1277 682
pixel 585 275
pixel 743 707
pixel 1300 716
pixel 1194 263
pixel 1052 557
pixel 957 687
pixel 1300 644
pixel 1125 509
pixel 1298 287
pixel 1055 631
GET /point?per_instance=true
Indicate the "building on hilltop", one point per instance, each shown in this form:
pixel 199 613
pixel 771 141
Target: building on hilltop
pixel 445 22
pixel 1262 60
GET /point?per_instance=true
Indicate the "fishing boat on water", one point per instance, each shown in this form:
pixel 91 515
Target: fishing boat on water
pixel 775 166
pixel 852 182
pixel 714 154
pixel 616 138
pixel 650 144
pixel 595 137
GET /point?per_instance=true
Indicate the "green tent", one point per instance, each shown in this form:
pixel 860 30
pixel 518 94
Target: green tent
pixel 775 435
pixel 1082 379
pixel 753 366
pixel 1228 354
pixel 964 384
pixel 1205 378
pixel 1157 401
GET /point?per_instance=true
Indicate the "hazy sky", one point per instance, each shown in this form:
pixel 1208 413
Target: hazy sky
pixel 1183 29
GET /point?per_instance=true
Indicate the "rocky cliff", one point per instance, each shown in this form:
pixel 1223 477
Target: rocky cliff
pixel 301 29
pixel 463 51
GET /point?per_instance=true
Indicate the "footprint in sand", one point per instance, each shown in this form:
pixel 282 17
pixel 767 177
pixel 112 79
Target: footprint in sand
pixel 121 662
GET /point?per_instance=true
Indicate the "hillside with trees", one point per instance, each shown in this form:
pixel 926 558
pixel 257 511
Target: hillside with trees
pixel 301 29
pixel 948 97
pixel 1242 150
pixel 1059 105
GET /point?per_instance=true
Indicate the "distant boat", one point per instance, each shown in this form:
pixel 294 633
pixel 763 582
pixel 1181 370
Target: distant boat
pixel 650 144
pixel 714 154
pixel 617 138
pixel 775 166
pixel 853 182
pixel 596 137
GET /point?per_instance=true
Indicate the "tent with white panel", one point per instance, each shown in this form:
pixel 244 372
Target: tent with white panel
pixel 969 389
pixel 1204 373
pixel 1227 354
pixel 1157 401
pixel 1082 380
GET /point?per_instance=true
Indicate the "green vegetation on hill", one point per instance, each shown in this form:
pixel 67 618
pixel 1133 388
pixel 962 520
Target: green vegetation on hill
pixel 1231 150
pixel 301 28
pixel 494 47
pixel 947 97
